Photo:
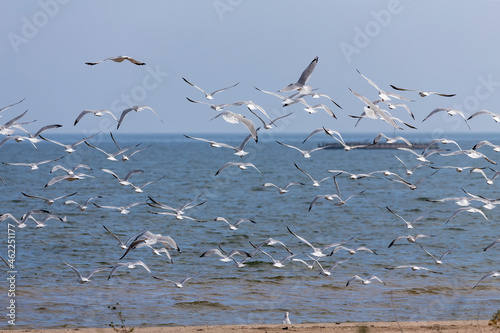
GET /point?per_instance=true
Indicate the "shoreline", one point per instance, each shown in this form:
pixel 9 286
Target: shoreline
pixel 459 326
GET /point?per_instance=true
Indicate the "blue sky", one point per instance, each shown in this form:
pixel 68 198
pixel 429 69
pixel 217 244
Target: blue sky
pixel 444 46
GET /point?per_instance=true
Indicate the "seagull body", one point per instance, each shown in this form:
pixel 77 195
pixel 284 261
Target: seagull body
pixel 138 189
pixel 338 196
pixel 130 265
pixel 316 183
pixel 110 156
pixel 450 111
pixel 238 149
pixel 122 209
pixel 409 171
pixel 233 226
pixel 414 268
pixel 282 190
pixel 269 125
pixel 209 96
pixel 242 166
pixel 225 257
pixel 318 252
pixel 468 210
pixel 136 108
pixel 276 263
pixel 439 260
pixel 364 281
pixel 305 153
pixel 97 113
pixel 178 284
pixel 84 206
pixel 118 59
pixel 409 224
pixel 125 181
pixel 69 177
pixel 412 186
pixel 235 118
pixel 495 116
pixel 84 279
pixel 328 272
pixel 47 200
pixel 409 238
pixel 71 147
pixel 69 171
pixel 352 251
pixel 34 165
pixel 304 77
pixel 424 93
pixel 423 156
pixel 286 319
pixel 391 140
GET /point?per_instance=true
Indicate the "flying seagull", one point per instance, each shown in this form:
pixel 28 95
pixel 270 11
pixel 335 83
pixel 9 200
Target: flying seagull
pixel 209 95
pixel 423 93
pixel 300 85
pixel 118 59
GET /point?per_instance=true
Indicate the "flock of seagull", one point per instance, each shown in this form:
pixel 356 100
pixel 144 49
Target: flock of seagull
pixel 301 91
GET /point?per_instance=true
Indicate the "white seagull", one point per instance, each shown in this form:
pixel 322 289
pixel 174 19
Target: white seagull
pixel 122 209
pixel 364 281
pixel 178 284
pixel 84 279
pixel 125 181
pixel 491 274
pixel 130 265
pixel 97 113
pixel 237 149
pixel 318 252
pixel 242 166
pixel 305 153
pixel 300 85
pixel 409 238
pixel 80 206
pixel 495 116
pixel 414 268
pixel 468 210
pixel 69 148
pixel 439 260
pixel 423 93
pixel 233 226
pixel 450 111
pixel 34 165
pixel 282 190
pixel 136 108
pixel 209 96
pixel 316 183
pixel 384 95
pixel 110 156
pixel 409 224
pixel 235 118
pixel 48 201
pixel 225 257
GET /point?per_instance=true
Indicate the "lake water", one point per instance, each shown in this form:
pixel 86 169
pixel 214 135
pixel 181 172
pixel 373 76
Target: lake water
pixel 48 295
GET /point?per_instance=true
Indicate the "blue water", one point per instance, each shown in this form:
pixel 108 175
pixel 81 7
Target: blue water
pixel 47 294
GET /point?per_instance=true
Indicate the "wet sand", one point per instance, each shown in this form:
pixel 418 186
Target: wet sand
pixel 472 326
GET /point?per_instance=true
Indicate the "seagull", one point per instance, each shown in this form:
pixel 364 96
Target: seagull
pixel 71 147
pixel 282 190
pixel 148 242
pixel 111 156
pixel 423 93
pixel 490 274
pixel 305 153
pixel 124 181
pixel 138 189
pixel 340 201
pixel 216 107
pixel 69 177
pixel 384 95
pixel 46 200
pixel 41 224
pixel 178 211
pixel 97 113
pixel 22 222
pixel 412 186
pixel 84 206
pixel 127 157
pixel 409 224
pixel 300 85
pixel 309 266
pixel 409 238
pixel 423 156
pixel 341 140
pixel 491 245
pixel 235 118
pixel 242 166
pixel 118 59
pixel 410 171
pixel 69 171
pixel 352 251
pixel 136 108
pixel 439 260
pixel 495 116
pixel 316 183
pixel 209 96
pixel 489 180
pixel 318 252
pixel 286 319
pixel 6 129
pixel 251 106
pixel 457 169
pixel 321 129
pixel 315 94
pixel 276 263
pixel 328 272
pixel 34 138
pixel 128 265
pixel 123 245
pixel 313 109
pixel 178 284
pixel 364 281
pixel 478 145
pixel 414 268
pixel 489 203
pixel 470 153
pixel 391 140
pixel 393 106
pixel 238 149
pixel 83 279
pixel 34 165
pixel 266 125
pixel 233 226
pixel 271 241
pixel 469 210
pixel 122 209
pixel 450 111
pixel 151 238
pixel 225 257
pixel 354 175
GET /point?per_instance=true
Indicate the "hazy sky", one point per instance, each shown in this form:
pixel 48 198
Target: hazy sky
pixel 444 46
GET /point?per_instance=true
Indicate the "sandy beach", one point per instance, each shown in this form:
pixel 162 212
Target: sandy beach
pixel 472 326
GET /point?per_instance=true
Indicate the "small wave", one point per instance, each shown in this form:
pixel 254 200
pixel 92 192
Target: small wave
pixel 202 304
